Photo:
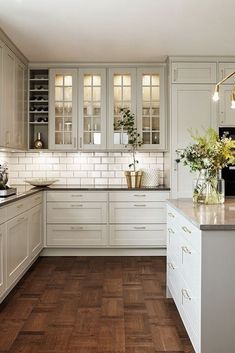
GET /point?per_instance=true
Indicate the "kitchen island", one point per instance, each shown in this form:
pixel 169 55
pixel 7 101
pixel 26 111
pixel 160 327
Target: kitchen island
pixel 200 271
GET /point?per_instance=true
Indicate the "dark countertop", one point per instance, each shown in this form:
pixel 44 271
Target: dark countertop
pixel 207 217
pixel 28 190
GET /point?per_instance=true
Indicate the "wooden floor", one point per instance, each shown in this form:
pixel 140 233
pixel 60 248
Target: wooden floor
pixel 92 305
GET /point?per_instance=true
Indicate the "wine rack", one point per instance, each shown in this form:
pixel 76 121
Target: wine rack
pixel 38 106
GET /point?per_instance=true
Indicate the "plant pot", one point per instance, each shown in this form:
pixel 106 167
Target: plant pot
pixel 133 179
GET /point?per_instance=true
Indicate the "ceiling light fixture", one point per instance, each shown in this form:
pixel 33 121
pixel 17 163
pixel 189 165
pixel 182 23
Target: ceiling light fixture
pixel 216 92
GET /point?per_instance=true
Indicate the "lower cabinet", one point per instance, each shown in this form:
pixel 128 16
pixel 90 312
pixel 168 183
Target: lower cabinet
pixel 35 231
pixel 138 235
pixel 2 259
pixel 67 235
pixel 17 247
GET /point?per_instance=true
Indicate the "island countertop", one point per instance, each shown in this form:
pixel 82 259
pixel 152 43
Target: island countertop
pixel 207 217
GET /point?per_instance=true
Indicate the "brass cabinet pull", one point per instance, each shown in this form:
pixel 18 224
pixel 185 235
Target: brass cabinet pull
pixel 186 230
pixel 140 205
pixel 19 206
pixel 186 250
pixel 76 195
pixel 185 294
pixel 170 230
pixel 171 215
pixel 74 142
pixel 171 266
pixel 79 205
pixel 76 228
pixel 20 219
pixel 139 227
pixel 141 195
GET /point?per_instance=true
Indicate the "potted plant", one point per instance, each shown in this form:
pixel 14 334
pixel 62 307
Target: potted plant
pixel 127 123
pixel 208 155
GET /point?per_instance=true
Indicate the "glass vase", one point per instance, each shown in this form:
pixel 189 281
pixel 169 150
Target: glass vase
pixel 208 188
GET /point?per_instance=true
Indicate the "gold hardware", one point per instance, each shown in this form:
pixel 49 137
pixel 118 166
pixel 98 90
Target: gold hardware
pixel 79 205
pixel 139 227
pixel 170 230
pixel 140 205
pixel 77 195
pixel 74 142
pixel 171 215
pixel 186 250
pixel 76 228
pixel 141 195
pixel 19 206
pixel 20 219
pixel 186 230
pixel 185 294
pixel 80 142
pixel 171 266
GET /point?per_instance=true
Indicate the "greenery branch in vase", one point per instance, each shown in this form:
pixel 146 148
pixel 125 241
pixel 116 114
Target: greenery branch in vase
pixel 127 123
pixel 208 155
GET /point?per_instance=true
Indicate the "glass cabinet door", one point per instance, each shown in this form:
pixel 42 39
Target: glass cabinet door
pixel 122 94
pixel 151 107
pixel 63 109
pixel 92 109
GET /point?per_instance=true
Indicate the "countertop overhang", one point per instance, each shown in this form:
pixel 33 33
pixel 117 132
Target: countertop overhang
pixel 28 190
pixel 207 217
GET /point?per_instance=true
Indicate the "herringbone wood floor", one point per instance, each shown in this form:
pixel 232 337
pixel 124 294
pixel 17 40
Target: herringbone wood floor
pixel 92 305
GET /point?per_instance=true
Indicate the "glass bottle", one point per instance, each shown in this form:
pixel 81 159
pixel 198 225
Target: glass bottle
pixel 38 143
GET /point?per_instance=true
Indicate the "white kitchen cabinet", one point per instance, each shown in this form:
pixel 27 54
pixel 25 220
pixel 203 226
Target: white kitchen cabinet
pixel 35 231
pixel 226 114
pixel 76 212
pixel 17 247
pixel 224 70
pixel 193 72
pixel 2 133
pixel 9 107
pixel 138 212
pixel 67 235
pixel 20 121
pixel 2 259
pixel 122 94
pixel 192 108
pixel 92 109
pixel 63 109
pixel 144 235
pixel 151 107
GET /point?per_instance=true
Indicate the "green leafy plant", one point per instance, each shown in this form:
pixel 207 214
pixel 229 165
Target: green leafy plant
pixel 127 123
pixel 208 152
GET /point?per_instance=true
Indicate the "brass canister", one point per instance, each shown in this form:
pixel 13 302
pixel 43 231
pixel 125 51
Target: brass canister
pixel 133 179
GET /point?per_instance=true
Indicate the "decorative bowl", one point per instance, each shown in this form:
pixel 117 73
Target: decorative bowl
pixel 41 181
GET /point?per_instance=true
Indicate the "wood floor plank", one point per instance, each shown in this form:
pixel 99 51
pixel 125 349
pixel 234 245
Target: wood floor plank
pixel 92 305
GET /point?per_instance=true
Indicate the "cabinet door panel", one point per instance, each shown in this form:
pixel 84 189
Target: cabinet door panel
pixel 151 119
pixel 226 113
pixel 17 253
pixel 192 109
pixel 193 72
pixel 2 259
pixel 35 231
pixel 92 109
pixel 63 109
pixel 122 94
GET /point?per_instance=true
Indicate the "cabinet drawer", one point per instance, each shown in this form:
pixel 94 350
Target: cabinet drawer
pixel 136 235
pixel 86 212
pixel 74 235
pixel 181 225
pixel 138 212
pixel 76 196
pixel 23 205
pixel 132 196
pixel 2 215
pixel 193 72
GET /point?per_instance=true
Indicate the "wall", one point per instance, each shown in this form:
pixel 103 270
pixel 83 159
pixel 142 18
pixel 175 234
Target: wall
pixel 78 168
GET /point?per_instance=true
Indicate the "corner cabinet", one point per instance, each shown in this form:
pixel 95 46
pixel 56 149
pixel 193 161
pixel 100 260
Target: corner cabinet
pixel 151 118
pixel 122 94
pixel 92 109
pixel 63 109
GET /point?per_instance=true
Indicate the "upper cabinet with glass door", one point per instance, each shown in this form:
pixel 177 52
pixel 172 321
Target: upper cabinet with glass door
pixel 92 109
pixel 122 94
pixel 63 109
pixel 151 107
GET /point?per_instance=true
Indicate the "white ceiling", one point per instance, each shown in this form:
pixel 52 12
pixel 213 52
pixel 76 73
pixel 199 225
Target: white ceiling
pixel 118 30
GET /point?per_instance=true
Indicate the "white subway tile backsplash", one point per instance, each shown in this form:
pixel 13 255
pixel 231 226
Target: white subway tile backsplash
pixel 78 168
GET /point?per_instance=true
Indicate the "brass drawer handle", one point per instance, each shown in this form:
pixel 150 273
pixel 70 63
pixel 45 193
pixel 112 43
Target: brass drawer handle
pixel 186 250
pixel 77 195
pixel 171 266
pixel 141 195
pixel 186 230
pixel 19 206
pixel 185 294
pixel 37 198
pixel 79 205
pixel 140 205
pixel 170 230
pixel 171 215
pixel 20 220
pixel 76 228
pixel 139 228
